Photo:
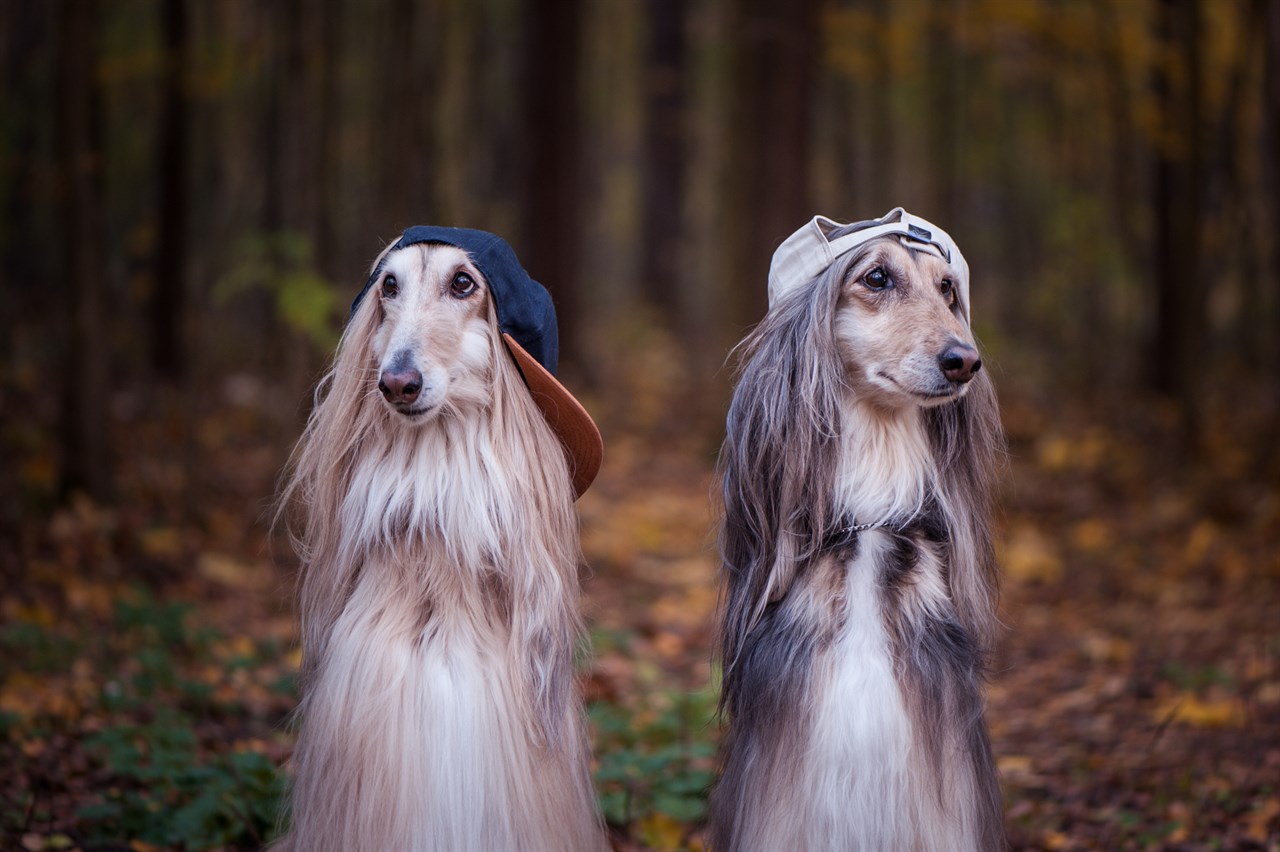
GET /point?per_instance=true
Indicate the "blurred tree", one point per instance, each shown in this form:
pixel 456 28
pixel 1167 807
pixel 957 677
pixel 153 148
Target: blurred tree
pixel 1178 339
pixel 552 130
pixel 1120 114
pixel 882 148
pixel 774 71
pixel 326 59
pixel 28 92
pixel 169 286
pixel 665 157
pixel 81 382
pixel 403 152
pixel 1232 228
pixel 946 82
pixel 1270 313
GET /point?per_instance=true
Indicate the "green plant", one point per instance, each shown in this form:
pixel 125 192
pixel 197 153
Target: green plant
pixel 164 792
pixel 159 775
pixel 655 760
pixel 282 264
pixel 34 649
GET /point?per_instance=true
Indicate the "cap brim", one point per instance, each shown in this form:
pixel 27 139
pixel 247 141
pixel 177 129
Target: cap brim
pixel 566 416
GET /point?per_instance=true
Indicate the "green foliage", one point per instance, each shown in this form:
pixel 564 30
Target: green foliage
pixel 281 264
pixel 165 793
pixel 160 625
pixel 655 761
pixel 1193 677
pixel 38 649
pixel 164 771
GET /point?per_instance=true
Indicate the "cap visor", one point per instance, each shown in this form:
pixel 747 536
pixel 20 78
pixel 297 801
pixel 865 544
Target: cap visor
pixel 566 416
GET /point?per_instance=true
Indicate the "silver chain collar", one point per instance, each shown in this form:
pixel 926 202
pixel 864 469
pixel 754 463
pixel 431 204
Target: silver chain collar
pixel 857 528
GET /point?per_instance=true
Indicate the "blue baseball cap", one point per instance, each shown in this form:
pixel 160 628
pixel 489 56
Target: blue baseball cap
pixel 527 322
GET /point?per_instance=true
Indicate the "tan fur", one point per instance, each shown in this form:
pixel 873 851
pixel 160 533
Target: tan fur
pixel 438 593
pixel 859 583
pixel 890 339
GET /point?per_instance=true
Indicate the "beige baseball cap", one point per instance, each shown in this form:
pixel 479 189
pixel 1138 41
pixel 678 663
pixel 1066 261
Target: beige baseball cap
pixel 806 253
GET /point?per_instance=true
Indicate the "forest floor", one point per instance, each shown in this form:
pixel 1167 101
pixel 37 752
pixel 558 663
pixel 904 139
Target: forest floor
pixel 148 648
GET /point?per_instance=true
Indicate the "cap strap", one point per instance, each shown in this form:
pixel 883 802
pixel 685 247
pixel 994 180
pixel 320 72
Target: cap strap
pixel 840 245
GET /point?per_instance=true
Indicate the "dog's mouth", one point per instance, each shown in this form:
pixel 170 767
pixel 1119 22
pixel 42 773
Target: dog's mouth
pixel 950 393
pixel 944 392
pixel 413 411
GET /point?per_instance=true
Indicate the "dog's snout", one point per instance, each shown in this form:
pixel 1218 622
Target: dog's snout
pixel 400 384
pixel 959 362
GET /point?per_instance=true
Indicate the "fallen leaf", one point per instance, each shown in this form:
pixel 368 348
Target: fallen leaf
pixel 661 831
pixel 1260 818
pixel 1203 536
pixel 1029 555
pixel 228 570
pixel 1055 840
pixel 1092 534
pixel 161 543
pixel 1190 710
pixel 1014 764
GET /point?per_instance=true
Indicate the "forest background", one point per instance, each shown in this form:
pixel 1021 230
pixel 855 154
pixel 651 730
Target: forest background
pixel 191 193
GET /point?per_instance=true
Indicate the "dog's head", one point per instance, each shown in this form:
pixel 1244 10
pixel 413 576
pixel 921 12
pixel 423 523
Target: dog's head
pixel 433 341
pixel 900 327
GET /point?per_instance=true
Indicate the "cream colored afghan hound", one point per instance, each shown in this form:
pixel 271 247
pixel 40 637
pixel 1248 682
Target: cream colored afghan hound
pixel 434 488
pixel 859 579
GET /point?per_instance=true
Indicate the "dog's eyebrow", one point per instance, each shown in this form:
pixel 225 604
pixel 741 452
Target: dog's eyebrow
pixel 381 267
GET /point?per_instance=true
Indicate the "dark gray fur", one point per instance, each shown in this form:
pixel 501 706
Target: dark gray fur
pixel 782 580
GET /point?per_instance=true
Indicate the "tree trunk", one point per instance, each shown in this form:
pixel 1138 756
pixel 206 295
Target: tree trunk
pixel 1269 315
pixel 83 389
pixel 1178 341
pixel 664 142
pixel 1119 109
pixel 330 47
pixel 947 90
pixel 402 160
pixel 169 284
pixel 23 70
pixel 1225 198
pixel 883 144
pixel 553 58
pixel 773 79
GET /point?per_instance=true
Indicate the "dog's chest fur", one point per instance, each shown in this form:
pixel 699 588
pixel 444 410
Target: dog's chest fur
pixel 862 733
pixel 423 725
pixel 874 764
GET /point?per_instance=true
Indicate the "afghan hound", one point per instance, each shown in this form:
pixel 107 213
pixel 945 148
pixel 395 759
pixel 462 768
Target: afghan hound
pixel 435 484
pixel 859 584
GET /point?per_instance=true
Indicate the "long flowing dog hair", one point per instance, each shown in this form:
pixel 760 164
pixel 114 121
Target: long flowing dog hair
pixel 438 602
pixel 852 659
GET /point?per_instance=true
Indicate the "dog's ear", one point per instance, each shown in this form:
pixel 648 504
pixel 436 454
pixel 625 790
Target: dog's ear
pixel 968 438
pixel 779 456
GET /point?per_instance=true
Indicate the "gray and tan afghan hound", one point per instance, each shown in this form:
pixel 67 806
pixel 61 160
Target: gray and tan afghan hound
pixel 435 484
pixel 858 606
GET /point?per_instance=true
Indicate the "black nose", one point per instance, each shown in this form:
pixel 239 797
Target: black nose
pixel 400 385
pixel 959 363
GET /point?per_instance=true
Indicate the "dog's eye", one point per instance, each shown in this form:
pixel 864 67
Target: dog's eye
pixel 948 291
pixel 877 279
pixel 463 285
pixel 390 287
